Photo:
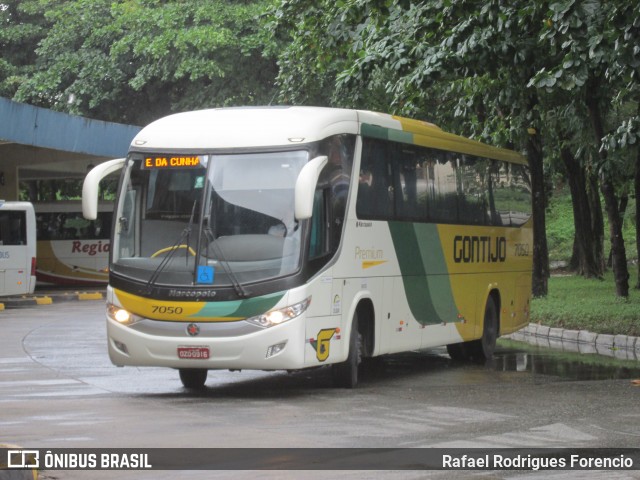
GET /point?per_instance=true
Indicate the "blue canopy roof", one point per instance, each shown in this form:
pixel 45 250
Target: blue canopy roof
pixel 40 127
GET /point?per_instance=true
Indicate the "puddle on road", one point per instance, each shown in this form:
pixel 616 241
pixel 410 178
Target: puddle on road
pixel 526 361
pixel 514 357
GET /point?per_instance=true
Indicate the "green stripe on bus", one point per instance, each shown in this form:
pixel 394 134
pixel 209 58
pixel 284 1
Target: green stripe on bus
pixel 400 136
pixel 383 133
pixel 424 272
pixel 374 131
pixel 240 308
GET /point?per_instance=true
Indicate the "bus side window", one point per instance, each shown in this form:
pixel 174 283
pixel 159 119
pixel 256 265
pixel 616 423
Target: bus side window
pixel 364 200
pixel 512 194
pixel 473 190
pixel 13 228
pixel 443 197
pixel 375 201
pixel 126 225
pixel 319 236
pixel 406 185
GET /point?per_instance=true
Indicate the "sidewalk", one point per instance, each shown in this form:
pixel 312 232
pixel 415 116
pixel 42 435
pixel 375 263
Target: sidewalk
pixel 622 347
pixel 48 297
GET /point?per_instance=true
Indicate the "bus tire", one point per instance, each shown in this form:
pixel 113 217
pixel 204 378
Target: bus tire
pixel 482 350
pixel 345 374
pixel 193 378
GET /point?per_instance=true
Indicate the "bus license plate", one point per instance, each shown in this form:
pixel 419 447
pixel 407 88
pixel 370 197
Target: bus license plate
pixel 193 353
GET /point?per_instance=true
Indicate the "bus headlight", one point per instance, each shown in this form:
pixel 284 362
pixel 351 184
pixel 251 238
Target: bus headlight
pixel 276 317
pixel 121 315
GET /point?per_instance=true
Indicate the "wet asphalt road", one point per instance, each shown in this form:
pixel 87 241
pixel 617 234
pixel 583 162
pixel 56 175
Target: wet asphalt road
pixel 59 390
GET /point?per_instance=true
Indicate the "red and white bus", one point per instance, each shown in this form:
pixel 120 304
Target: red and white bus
pixel 71 249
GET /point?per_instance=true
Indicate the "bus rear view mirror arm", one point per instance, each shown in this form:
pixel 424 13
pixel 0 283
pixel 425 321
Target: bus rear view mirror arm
pixel 90 187
pixel 306 186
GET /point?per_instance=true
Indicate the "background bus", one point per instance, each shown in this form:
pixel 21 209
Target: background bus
pixel 71 249
pixel 17 248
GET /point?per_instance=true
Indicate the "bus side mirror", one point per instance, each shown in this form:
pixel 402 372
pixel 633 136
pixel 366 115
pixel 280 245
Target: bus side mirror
pixel 306 187
pixel 90 187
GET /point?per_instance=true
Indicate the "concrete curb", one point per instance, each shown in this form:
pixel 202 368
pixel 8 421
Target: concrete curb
pixel 622 347
pixel 48 299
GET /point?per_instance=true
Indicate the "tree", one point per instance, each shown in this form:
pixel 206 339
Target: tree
pixel 136 60
pixel 625 21
pixel 588 245
pixel 583 38
pixel 495 71
pixel 464 65
pixel 566 120
pixel 22 26
pixel 315 43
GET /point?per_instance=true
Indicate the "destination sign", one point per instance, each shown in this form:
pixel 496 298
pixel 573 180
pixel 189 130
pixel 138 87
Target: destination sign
pixel 168 162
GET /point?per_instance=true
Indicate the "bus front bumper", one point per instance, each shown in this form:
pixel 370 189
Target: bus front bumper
pixel 276 348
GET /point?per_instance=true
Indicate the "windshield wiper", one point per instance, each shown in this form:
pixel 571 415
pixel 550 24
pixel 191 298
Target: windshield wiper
pixel 186 234
pixel 217 251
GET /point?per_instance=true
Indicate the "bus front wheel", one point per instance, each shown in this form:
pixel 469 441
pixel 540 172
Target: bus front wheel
pixel 345 374
pixel 193 378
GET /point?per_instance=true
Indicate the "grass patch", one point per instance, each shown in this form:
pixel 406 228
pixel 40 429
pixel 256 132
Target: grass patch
pixel 560 228
pixel 577 303
pixel 586 304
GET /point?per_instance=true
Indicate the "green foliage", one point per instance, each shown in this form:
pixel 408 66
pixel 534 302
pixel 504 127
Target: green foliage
pixel 22 26
pixel 135 60
pixel 449 62
pixel 626 136
pixel 510 73
pixel 470 66
pixel 579 303
pixel 594 55
pixel 503 72
pixel 314 44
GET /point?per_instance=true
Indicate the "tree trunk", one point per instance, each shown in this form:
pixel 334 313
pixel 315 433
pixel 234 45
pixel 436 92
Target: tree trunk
pixel 597 220
pixel 622 210
pixel 619 256
pixel 637 192
pixel 618 252
pixel 540 250
pixel 586 258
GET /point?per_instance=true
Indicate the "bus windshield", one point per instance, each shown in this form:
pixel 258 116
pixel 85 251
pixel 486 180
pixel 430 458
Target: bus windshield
pixel 232 214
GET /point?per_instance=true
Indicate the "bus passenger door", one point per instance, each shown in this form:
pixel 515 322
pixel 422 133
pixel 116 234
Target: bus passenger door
pixel 15 279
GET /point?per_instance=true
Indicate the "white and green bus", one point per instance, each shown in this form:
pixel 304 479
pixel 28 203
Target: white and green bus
pixel 285 238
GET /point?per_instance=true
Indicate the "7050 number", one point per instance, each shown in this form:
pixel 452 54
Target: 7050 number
pixel 165 309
